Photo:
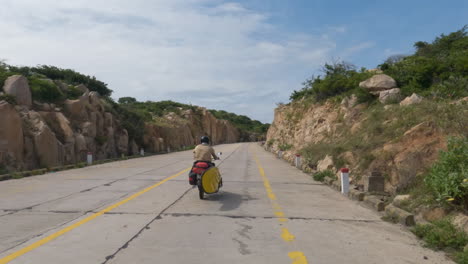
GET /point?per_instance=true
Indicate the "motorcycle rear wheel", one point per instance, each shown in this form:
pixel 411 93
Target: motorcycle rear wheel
pixel 201 193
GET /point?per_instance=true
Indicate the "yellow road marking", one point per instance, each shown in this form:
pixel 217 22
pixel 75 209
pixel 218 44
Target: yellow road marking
pixel 297 257
pixel 81 222
pixel 279 214
pixel 286 235
pixel 277 207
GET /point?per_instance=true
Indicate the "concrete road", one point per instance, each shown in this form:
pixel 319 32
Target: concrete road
pixel 144 211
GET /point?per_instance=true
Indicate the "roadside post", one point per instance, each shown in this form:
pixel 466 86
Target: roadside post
pixel 280 154
pixel 89 158
pixel 344 180
pixel 298 161
pixel 142 152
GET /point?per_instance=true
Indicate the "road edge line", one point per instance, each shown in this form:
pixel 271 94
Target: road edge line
pixel 67 229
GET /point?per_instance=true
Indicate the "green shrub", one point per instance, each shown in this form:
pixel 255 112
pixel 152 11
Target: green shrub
pixel 133 120
pixel 3 170
pixel 285 147
pixel 363 96
pixel 66 75
pixel 391 218
pixel 4 74
pixel 436 69
pixel 441 234
pixel 320 176
pixel 448 178
pixel 100 140
pixel 461 257
pixel 73 93
pixel 9 98
pixel 242 122
pixel 339 78
pixel 270 142
pixel 453 87
pixel 44 90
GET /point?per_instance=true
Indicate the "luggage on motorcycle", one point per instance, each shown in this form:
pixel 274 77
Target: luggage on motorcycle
pixel 192 178
pixel 200 167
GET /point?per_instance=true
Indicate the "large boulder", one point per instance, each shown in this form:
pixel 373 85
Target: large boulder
pixel 11 135
pixel 48 149
pixel 122 141
pixel 94 99
pixel 325 164
pixel 60 125
pixel 413 99
pixel 62 85
pixel 378 82
pixel 108 120
pixel 392 95
pixel 134 148
pixel 82 88
pixel 76 109
pixel 89 129
pixel 17 85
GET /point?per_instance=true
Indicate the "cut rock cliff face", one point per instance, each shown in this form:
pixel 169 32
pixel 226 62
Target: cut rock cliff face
pixel 37 135
pixel 331 135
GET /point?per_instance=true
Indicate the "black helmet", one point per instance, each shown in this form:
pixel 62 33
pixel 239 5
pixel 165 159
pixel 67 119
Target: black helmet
pixel 205 139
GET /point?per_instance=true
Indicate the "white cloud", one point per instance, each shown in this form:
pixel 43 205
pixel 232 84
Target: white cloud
pixel 207 52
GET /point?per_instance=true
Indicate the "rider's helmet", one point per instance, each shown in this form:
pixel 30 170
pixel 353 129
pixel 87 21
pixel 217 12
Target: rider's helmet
pixel 205 139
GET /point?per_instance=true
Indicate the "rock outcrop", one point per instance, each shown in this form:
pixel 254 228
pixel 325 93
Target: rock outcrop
pixel 392 95
pixel 177 132
pixel 378 82
pixel 11 135
pixel 413 99
pixel 44 135
pixel 17 85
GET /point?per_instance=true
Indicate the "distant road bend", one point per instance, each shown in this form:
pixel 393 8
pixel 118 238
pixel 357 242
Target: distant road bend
pixel 144 211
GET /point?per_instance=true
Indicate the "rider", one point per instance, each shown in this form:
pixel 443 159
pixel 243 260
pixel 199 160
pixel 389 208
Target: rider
pixel 204 151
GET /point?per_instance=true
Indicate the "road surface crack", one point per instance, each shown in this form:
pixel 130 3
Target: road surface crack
pixel 270 217
pixel 147 226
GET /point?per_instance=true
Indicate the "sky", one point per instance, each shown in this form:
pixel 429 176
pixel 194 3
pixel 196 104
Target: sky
pixel 240 56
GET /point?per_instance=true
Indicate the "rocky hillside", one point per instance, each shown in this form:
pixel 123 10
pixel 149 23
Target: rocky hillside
pixel 393 120
pixel 35 133
pixel 400 141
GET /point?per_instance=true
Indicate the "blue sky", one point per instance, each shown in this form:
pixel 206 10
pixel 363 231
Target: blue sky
pixel 240 56
pixel 388 26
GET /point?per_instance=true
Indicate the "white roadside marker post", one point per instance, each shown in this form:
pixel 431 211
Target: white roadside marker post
pixel 344 181
pixel 298 161
pixel 280 154
pixel 142 152
pixel 89 158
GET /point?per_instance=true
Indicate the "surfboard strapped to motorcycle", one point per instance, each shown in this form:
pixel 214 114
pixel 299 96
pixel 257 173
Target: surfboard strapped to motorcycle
pixel 209 182
pixel 206 176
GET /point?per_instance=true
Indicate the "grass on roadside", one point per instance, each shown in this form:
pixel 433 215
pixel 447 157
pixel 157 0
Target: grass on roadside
pixel 380 126
pixel 320 176
pixel 443 235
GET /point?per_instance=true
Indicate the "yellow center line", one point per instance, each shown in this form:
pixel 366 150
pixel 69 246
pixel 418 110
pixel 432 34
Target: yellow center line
pixel 286 235
pixel 297 257
pixel 83 221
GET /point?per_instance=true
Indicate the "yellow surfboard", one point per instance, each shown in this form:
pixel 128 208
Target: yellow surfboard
pixel 210 180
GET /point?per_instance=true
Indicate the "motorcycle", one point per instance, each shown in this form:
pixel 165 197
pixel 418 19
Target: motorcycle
pixel 206 176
